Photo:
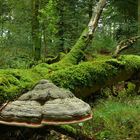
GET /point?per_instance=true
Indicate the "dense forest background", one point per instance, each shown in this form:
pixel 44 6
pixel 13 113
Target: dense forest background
pixel 36 39
pixel 39 29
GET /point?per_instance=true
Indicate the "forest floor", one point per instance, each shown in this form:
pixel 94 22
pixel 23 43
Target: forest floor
pixel 114 118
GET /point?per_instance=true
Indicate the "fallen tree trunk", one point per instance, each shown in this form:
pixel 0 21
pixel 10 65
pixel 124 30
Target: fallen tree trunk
pixel 83 79
pixel 89 77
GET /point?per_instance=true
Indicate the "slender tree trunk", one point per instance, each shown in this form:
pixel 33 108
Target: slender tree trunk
pixel 35 30
pixel 60 25
pixel 1 20
pixel 76 53
pixel 90 6
pixel 138 17
pixel 44 41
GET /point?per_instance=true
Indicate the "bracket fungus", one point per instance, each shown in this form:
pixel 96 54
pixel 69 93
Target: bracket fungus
pixel 46 104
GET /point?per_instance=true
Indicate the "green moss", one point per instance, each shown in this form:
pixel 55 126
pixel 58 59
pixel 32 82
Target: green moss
pixel 84 74
pixel 41 69
pixel 97 72
pixel 13 82
pixel 75 55
pixel 116 63
pixel 132 61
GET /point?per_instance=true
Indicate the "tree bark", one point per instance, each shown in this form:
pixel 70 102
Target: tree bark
pixel 35 30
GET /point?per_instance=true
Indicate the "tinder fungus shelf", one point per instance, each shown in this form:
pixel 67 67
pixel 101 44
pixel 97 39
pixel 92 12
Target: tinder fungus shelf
pixel 45 104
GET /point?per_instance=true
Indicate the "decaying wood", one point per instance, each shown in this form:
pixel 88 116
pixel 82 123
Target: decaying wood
pixel 125 44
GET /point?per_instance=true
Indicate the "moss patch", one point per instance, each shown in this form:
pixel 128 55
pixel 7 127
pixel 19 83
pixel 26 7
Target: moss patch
pixel 132 61
pixel 100 72
pixel 13 82
pixel 76 54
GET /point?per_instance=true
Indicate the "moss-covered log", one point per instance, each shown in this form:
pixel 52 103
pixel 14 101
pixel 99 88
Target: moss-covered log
pixel 82 79
pixel 89 77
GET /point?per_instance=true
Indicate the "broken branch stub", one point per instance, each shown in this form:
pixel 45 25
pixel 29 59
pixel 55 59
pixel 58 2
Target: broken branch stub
pixel 45 104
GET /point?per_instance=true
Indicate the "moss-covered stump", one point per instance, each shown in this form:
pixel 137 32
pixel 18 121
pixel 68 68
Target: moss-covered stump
pixel 82 79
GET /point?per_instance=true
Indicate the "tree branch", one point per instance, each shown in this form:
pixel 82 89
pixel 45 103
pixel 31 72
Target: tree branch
pixel 125 44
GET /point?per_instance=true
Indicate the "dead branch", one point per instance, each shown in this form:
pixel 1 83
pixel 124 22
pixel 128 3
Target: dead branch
pixel 125 44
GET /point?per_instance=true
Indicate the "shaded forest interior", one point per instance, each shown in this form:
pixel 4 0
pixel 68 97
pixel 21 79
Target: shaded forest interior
pixel 89 47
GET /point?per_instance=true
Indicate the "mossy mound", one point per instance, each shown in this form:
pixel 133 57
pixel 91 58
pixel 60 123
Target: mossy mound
pixel 82 75
pixel 132 61
pixel 13 82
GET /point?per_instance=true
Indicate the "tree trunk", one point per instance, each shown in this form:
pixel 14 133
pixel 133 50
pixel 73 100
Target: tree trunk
pixel 83 79
pixel 35 30
pixel 60 25
pixel 89 77
pixel 2 22
pixel 76 53
pixel 138 17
